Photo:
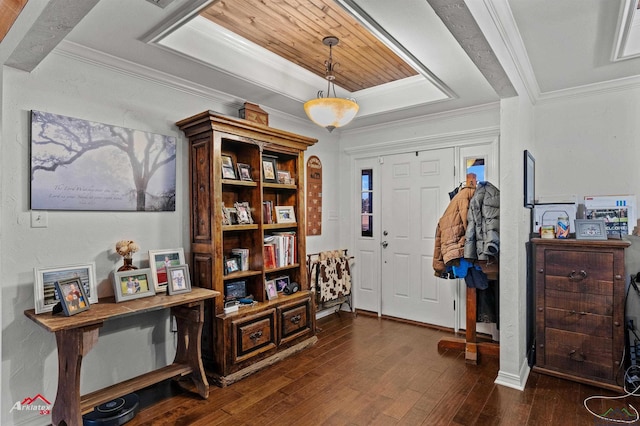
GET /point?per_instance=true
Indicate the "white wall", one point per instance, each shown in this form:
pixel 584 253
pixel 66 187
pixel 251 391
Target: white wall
pixel 130 347
pixel 588 144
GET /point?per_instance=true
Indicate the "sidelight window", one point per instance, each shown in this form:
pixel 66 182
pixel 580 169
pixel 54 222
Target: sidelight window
pixel 366 214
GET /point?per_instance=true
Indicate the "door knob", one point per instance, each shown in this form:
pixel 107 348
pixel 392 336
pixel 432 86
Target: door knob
pixel 384 244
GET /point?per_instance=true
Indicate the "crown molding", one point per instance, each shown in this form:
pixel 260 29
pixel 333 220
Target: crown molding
pixel 462 138
pixel 611 86
pixel 97 58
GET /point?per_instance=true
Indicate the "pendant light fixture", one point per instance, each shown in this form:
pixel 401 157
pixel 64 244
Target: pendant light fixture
pixel 331 112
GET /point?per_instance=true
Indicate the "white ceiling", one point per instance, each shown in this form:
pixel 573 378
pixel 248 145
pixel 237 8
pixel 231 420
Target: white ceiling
pixel 555 45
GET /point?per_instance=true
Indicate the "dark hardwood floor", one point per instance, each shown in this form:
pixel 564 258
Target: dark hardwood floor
pixel 368 371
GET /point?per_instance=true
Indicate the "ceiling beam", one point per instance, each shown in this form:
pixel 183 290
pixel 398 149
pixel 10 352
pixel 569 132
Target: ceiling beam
pixel 57 19
pixel 458 19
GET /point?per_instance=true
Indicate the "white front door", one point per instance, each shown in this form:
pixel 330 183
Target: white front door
pixel 414 194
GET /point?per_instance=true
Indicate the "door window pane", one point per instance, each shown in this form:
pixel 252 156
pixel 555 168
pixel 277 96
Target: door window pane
pixel 476 168
pixel 366 199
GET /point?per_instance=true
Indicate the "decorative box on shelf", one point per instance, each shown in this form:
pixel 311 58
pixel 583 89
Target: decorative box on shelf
pixel 253 112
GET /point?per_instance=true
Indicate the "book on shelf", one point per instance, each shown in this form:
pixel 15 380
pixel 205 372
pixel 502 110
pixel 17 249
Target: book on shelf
pixel 267 211
pixel 269 256
pixel 243 255
pixel 280 249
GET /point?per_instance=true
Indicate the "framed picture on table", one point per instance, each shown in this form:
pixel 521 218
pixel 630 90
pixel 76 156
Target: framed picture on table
pixel 179 279
pixel 72 296
pixel 45 293
pixel 133 284
pixel 159 261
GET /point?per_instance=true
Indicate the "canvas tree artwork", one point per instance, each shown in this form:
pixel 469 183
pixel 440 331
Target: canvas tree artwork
pixel 84 165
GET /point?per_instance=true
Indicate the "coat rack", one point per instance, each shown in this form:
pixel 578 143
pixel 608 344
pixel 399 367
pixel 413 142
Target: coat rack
pixel 470 343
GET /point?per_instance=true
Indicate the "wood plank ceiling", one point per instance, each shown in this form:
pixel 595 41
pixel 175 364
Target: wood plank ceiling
pixel 294 29
pixel 9 11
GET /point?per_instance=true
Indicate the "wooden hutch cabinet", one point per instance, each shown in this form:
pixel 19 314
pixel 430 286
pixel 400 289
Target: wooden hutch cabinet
pixel 238 343
pixel 579 313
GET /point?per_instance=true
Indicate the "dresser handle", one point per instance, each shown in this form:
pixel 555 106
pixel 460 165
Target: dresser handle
pixel 577 357
pixel 577 277
pixel 255 336
pixel 295 319
pixel 581 313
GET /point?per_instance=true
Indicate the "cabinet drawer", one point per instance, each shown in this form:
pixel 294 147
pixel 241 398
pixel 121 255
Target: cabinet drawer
pixel 582 271
pixel 294 320
pixel 580 302
pixel 254 335
pixel 580 354
pixel 579 322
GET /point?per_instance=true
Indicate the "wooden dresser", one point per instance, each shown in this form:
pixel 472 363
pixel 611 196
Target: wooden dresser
pixel 579 313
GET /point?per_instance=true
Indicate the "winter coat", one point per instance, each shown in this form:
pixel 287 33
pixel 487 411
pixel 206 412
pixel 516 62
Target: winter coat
pixel 483 223
pixel 450 233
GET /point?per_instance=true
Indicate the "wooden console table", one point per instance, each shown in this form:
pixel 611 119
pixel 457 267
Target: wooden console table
pixel 76 335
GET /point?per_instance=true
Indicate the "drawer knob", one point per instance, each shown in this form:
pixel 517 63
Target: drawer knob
pixel 616 323
pixel 295 319
pixel 541 270
pixel 255 336
pixel 576 356
pixel 618 277
pixel 577 276
pixel 540 309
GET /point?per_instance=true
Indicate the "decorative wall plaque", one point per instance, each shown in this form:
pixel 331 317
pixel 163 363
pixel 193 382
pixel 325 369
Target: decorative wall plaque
pixel 314 196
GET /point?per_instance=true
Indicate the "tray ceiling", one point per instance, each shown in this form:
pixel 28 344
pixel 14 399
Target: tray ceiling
pixel 294 30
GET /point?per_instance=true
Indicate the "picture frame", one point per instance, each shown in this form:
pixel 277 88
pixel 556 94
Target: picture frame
pixel 529 180
pixel 269 169
pixel 179 279
pixel 270 288
pixel 228 171
pixel 45 294
pixel 591 229
pixel 229 216
pixel 133 284
pixel 73 297
pixel 243 213
pixel 244 172
pixel 235 290
pixel 159 260
pixel 62 146
pixel 284 177
pixel 285 214
pixel 231 265
pixel 281 283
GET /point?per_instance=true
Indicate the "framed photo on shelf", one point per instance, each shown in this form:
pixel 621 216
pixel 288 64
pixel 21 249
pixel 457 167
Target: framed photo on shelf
pixel 179 279
pixel 159 261
pixel 529 180
pixel 591 229
pixel 133 284
pixel 243 213
pixel 269 168
pixel 284 177
pixel 72 296
pixel 285 214
pixel 272 291
pixel 235 290
pixel 45 294
pixel 228 171
pixel 244 172
pixel 281 283
pixel 231 265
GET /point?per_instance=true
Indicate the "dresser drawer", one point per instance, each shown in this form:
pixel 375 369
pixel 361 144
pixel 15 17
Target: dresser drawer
pixel 253 335
pixel 589 303
pixel 294 320
pixel 580 354
pixel 584 267
pixel 579 322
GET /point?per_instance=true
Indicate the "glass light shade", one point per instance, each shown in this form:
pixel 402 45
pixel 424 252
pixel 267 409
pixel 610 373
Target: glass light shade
pixel 331 112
